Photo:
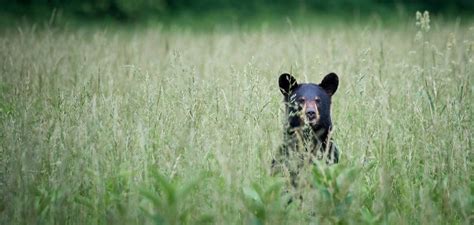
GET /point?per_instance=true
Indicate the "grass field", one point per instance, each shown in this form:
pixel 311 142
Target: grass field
pixel 156 126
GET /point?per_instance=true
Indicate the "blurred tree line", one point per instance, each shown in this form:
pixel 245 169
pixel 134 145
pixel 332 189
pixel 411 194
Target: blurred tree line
pixel 130 10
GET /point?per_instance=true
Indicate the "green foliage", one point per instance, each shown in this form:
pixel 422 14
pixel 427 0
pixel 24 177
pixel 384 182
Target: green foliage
pixel 334 184
pixel 6 108
pixel 45 202
pixel 243 10
pixel 265 202
pixel 168 201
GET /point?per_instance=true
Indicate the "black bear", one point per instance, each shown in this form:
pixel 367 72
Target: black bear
pixel 308 128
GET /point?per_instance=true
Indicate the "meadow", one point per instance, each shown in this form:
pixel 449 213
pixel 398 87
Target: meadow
pixel 177 126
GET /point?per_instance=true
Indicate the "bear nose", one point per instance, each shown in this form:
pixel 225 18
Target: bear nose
pixel 311 114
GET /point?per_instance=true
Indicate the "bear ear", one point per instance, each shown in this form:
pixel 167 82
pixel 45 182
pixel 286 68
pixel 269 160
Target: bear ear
pixel 330 83
pixel 287 83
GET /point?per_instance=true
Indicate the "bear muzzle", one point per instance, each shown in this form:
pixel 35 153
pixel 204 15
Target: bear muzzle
pixel 311 112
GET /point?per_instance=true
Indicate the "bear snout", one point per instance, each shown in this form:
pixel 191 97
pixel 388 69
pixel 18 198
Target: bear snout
pixel 311 114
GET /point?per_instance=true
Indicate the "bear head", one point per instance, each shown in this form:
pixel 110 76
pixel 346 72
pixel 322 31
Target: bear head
pixel 308 104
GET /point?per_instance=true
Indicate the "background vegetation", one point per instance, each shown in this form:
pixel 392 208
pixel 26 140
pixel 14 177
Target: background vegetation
pixel 240 11
pixel 151 125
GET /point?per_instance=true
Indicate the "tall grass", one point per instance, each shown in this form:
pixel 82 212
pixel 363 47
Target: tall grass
pixel 178 127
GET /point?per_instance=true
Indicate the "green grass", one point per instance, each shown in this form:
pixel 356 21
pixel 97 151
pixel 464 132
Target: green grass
pixel 179 127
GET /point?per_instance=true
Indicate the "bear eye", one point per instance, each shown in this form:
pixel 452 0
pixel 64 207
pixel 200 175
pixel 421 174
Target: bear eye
pixel 317 99
pixel 300 100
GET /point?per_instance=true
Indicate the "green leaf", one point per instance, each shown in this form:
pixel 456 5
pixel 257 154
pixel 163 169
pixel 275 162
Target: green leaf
pixel 186 189
pixel 250 193
pixel 153 197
